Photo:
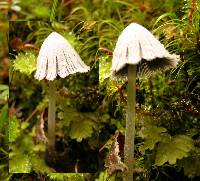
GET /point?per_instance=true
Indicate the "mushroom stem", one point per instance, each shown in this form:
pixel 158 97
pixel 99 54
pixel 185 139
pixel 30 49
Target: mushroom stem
pixel 130 123
pixel 51 114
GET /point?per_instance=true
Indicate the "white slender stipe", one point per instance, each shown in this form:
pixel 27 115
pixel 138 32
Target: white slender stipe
pixel 56 57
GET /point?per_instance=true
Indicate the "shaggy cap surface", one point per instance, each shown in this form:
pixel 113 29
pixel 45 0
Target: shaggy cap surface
pixel 58 57
pixel 137 46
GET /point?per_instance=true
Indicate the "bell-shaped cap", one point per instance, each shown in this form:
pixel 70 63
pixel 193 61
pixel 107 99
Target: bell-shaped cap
pixel 58 57
pixel 137 46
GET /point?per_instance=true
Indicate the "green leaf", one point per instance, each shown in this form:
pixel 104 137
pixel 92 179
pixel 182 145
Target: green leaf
pixel 118 124
pixel 104 75
pixel 39 165
pixel 104 68
pixel 41 12
pixel 53 10
pixel 152 135
pixel 25 63
pixel 81 129
pixel 172 149
pixel 111 87
pixel 166 15
pixel 66 176
pixel 70 114
pixel 71 38
pixel 20 164
pixel 3 87
pixel 103 176
pixel 191 165
pixel 3 151
pixel 79 125
pixel 13 129
pixel 3 116
pixel 4 92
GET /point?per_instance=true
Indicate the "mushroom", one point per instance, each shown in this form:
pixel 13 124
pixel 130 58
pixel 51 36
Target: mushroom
pixel 56 57
pixel 137 53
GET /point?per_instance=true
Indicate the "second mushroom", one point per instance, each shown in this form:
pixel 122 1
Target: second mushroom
pixel 137 53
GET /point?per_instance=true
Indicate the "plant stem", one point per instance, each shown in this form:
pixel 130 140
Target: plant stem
pixel 130 123
pixel 60 10
pixel 51 114
pixel 53 10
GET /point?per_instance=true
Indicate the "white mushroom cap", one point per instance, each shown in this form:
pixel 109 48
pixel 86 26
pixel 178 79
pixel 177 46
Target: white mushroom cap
pixel 137 46
pixel 58 57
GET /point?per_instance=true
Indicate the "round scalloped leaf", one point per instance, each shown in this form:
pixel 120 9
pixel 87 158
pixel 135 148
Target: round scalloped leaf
pixel 81 129
pixel 152 135
pixel 20 164
pixel 175 148
pixel 14 132
pixel 25 63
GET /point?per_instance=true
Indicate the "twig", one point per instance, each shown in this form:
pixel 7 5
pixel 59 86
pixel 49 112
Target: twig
pixel 106 51
pixel 192 10
pixel 39 129
pixel 31 115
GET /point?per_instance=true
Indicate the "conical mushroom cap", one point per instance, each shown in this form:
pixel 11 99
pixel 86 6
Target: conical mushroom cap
pixel 137 46
pixel 58 57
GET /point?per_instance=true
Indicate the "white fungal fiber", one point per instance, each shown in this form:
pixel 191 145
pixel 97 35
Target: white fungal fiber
pixel 58 57
pixel 137 46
